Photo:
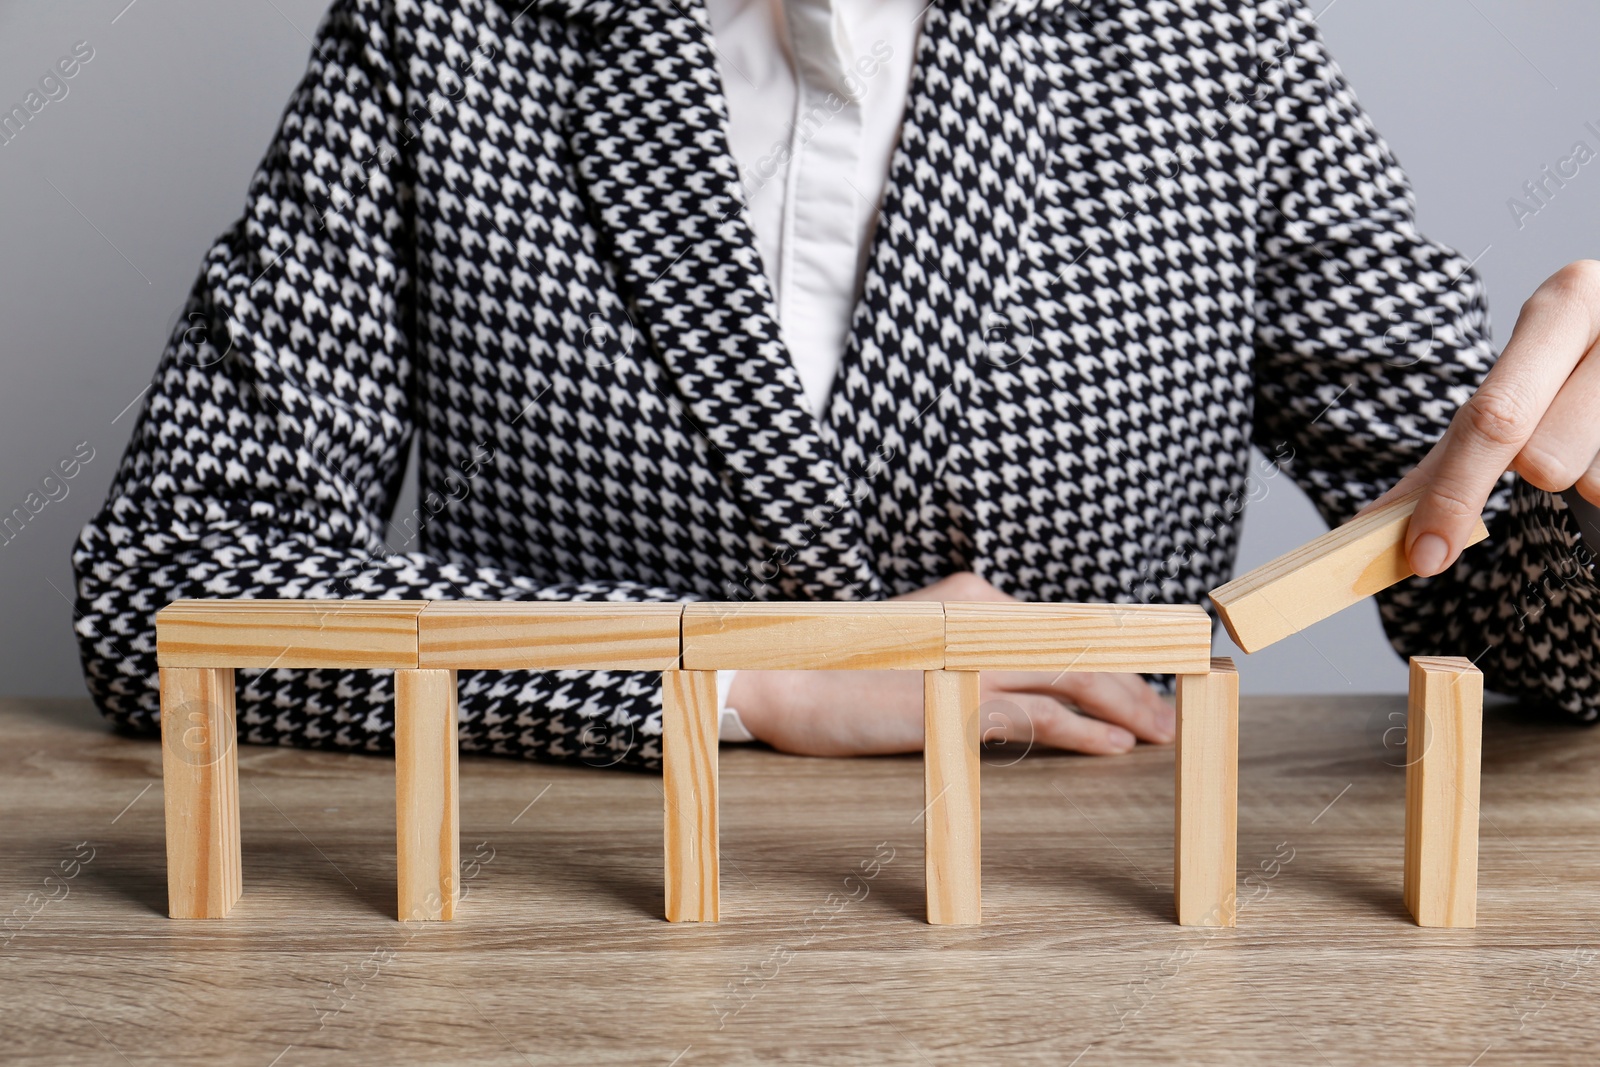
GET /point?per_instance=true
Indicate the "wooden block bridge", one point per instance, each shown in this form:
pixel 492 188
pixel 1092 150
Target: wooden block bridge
pixel 201 642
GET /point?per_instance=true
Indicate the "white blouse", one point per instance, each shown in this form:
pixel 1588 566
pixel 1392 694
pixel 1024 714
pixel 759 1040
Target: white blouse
pixel 816 90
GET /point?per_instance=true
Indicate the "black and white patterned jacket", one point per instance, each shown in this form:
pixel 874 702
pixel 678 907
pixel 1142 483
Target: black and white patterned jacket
pixel 1121 240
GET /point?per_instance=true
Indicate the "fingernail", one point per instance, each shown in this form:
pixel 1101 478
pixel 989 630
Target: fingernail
pixel 1428 554
pixel 1120 739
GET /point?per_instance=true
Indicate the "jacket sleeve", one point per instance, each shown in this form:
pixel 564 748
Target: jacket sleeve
pixel 268 453
pixel 1368 338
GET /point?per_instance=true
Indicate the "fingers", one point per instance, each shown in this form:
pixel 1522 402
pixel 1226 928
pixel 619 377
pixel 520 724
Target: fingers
pixel 1589 485
pixel 1107 713
pixel 1039 719
pixel 1563 448
pixel 1559 323
pixel 1416 478
pixel 1125 700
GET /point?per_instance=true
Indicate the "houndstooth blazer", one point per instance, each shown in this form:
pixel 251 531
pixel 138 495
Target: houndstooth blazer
pixel 1121 241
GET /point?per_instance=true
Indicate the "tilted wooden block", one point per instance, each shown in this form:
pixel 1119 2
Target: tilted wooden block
pixel 549 635
pixel 1205 853
pixel 288 633
pixel 200 777
pixel 1444 747
pixel 880 635
pixel 1156 638
pixel 1349 563
pixel 951 814
pixel 689 788
pixel 427 801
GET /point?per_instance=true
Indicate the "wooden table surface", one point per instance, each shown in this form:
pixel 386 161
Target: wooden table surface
pixel 560 954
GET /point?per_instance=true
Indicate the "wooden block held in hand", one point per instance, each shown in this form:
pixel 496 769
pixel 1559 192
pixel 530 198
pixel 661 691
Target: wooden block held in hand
pixel 791 635
pixel 689 785
pixel 549 635
pixel 952 829
pixel 1206 848
pixel 1155 638
pixel 288 633
pixel 427 804
pixel 1444 746
pixel 200 778
pixel 1352 562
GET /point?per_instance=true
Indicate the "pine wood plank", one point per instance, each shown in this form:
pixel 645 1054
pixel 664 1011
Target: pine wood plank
pixel 952 819
pixel 1325 575
pixel 876 635
pixel 549 635
pixel 427 794
pixel 373 634
pixel 1444 745
pixel 689 761
pixel 200 780
pixel 1157 638
pixel 1205 847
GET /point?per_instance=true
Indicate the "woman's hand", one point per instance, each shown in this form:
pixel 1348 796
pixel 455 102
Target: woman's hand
pixel 1537 413
pixel 861 713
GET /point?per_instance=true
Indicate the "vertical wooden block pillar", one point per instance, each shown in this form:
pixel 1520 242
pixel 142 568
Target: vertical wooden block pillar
pixel 427 806
pixel 1444 743
pixel 951 819
pixel 1206 843
pixel 200 778
pixel 689 782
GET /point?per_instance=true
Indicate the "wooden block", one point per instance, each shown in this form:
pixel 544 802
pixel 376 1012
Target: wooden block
pixel 288 633
pixel 1444 744
pixel 858 636
pixel 200 777
pixel 1156 638
pixel 1206 843
pixel 951 817
pixel 427 807
pixel 549 635
pixel 1350 563
pixel 689 782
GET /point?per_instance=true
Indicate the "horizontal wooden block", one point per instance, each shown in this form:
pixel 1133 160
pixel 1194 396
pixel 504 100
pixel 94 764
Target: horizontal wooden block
pixel 1352 562
pixel 1152 638
pixel 549 635
pixel 877 635
pixel 288 633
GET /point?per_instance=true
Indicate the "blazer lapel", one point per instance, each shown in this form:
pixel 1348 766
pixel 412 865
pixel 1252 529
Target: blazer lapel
pixel 650 143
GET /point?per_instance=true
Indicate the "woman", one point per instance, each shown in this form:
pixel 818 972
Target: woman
pixel 1091 252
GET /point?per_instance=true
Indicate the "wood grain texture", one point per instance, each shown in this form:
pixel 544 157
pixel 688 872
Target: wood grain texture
pixel 427 804
pixel 549 635
pixel 558 954
pixel 951 829
pixel 1206 820
pixel 200 780
pixel 1157 638
pixel 689 761
pixel 373 634
pixel 1326 575
pixel 1444 739
pixel 875 635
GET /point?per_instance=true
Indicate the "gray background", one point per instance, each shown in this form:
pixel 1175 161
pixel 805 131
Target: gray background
pixel 111 195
